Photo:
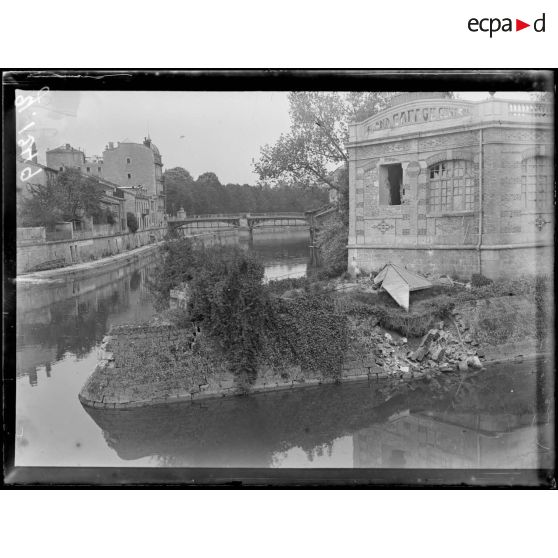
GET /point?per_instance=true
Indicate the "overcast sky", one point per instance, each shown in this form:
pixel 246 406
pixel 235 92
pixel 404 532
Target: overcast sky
pixel 201 131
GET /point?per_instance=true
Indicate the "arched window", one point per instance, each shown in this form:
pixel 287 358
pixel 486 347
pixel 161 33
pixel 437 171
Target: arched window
pixel 451 186
pixel 536 182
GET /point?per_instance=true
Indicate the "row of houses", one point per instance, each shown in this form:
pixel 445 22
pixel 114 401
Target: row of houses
pixel 131 175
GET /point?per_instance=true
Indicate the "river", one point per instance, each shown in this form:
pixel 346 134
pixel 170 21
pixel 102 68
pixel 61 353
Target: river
pixel 498 421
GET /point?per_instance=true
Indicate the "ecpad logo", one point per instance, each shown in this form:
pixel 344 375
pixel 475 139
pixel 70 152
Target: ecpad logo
pixel 493 25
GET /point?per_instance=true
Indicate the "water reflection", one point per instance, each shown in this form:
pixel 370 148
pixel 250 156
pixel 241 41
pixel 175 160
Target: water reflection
pixel 346 426
pixel 59 327
pixel 56 319
pixel 285 255
pixel 501 419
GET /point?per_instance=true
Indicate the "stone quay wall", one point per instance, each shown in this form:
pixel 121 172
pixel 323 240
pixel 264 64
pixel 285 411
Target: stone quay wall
pixel 33 255
pixel 141 365
pixel 147 364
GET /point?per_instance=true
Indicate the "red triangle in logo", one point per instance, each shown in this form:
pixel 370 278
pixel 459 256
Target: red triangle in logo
pixel 519 25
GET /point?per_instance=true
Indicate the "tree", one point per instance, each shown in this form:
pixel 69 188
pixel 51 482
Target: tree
pixel 72 196
pixel 178 185
pixel 131 221
pixel 315 144
pixel 207 195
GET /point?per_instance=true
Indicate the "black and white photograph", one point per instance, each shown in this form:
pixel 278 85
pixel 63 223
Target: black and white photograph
pixel 357 280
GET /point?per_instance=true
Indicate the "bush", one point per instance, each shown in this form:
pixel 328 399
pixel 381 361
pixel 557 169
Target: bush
pixel 228 296
pixel 479 280
pixel 332 249
pixel 180 261
pixel 131 222
pixel 280 286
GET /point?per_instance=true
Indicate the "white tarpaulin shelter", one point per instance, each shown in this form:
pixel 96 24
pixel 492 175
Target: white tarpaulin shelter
pixel 399 282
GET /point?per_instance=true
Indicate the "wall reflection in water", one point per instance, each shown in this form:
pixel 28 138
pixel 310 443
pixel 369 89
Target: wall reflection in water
pixel 448 440
pixel 490 427
pixel 72 317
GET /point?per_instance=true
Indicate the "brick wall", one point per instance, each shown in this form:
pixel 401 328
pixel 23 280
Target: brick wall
pixel 412 234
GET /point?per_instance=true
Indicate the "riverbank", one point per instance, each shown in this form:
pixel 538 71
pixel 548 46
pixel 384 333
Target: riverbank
pixel 162 363
pixel 87 269
pixel 41 255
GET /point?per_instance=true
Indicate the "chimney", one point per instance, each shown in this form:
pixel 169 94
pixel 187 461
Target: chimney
pixel 111 145
pixel 67 146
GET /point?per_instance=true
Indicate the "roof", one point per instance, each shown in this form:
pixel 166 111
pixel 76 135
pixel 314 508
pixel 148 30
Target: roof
pixel 64 149
pixel 400 282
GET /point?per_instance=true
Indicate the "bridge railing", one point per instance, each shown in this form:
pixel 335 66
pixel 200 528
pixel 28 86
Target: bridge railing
pixel 206 216
pixel 285 215
pixel 276 215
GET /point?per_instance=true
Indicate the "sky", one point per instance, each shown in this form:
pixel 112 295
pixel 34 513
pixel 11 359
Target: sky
pixel 201 131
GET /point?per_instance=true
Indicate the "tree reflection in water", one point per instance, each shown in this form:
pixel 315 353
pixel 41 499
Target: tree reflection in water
pixel 77 318
pixel 491 425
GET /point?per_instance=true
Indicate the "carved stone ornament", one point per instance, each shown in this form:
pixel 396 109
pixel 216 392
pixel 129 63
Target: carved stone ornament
pixel 383 227
pixel 540 222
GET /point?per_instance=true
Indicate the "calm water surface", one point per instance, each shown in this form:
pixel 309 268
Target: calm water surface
pixel 500 420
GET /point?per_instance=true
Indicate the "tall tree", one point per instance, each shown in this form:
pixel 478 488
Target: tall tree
pixel 315 144
pixel 71 196
pixel 178 185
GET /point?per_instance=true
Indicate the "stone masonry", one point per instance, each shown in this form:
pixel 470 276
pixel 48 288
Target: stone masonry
pixel 449 186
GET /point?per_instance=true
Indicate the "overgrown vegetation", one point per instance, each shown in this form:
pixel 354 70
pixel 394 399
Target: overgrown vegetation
pixel 423 312
pixel 331 242
pixel 309 332
pixel 479 280
pixel 251 324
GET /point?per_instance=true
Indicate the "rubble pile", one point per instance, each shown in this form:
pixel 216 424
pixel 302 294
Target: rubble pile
pixel 445 351
pixel 447 347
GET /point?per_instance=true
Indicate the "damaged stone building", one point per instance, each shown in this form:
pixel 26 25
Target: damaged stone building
pixel 456 187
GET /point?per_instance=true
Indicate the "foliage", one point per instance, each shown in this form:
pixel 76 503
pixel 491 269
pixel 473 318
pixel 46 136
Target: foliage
pixel 331 242
pixel 180 260
pixel 389 315
pixel 208 195
pixel 104 216
pixel 244 315
pixel 280 286
pixel 537 289
pixel 313 154
pixel 131 221
pixel 71 196
pixel 315 144
pixel 479 280
pixel 228 296
pixel 309 332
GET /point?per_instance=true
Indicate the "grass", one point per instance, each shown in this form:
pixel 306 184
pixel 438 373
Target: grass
pixel 426 307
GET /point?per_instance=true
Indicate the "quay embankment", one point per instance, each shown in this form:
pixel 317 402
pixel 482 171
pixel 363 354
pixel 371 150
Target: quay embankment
pixel 161 362
pixel 90 268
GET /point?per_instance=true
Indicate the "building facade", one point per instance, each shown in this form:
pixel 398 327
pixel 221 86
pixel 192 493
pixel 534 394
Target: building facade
pixel 135 166
pixel 138 165
pixel 442 185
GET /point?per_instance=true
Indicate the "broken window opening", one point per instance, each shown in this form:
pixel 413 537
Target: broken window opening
pixel 391 184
